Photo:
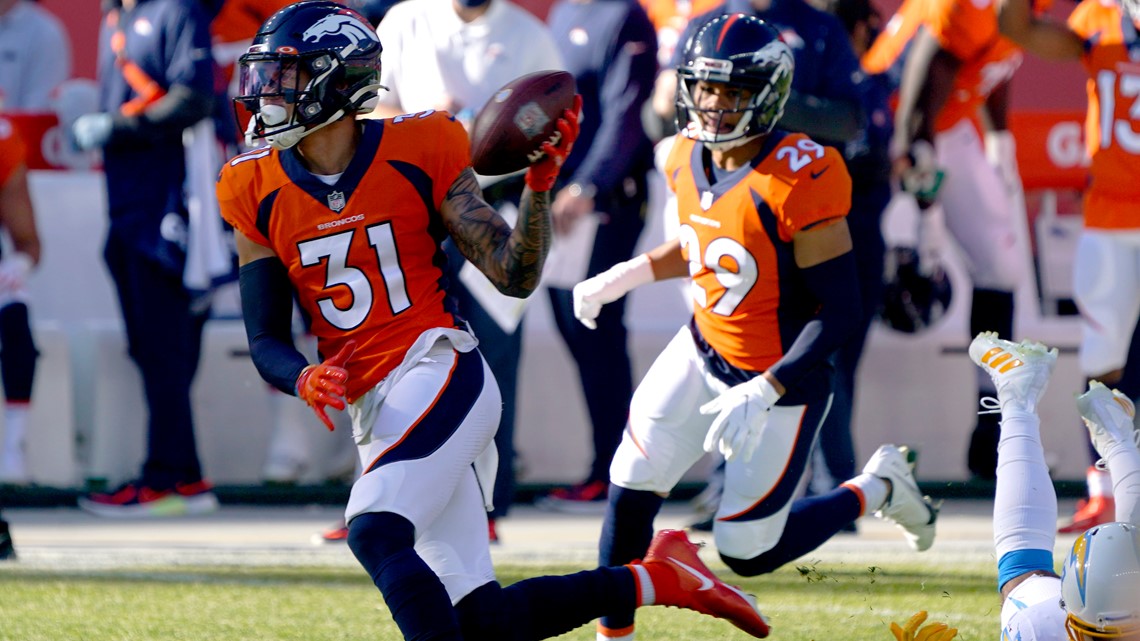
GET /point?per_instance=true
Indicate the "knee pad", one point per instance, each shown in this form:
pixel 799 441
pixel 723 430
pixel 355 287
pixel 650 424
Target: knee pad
pixel 376 536
pixel 749 567
pixel 17 352
pixel 483 614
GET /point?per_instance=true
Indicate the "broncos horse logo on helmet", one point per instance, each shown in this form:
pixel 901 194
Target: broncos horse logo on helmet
pixel 345 24
pixel 743 52
pixel 310 64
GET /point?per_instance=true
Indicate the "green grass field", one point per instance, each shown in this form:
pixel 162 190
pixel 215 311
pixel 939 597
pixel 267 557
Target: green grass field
pixel 820 600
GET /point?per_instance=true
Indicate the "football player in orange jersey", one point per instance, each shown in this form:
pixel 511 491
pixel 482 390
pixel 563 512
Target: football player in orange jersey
pixel 764 237
pixel 1102 34
pixel 349 216
pixel 954 65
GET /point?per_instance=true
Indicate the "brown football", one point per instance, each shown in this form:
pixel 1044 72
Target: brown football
pixel 510 129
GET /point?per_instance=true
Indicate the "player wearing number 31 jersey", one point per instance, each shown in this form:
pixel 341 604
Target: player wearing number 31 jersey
pixel 349 215
pixel 764 238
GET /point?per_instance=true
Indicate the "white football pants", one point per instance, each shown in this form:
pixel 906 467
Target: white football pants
pixel 665 437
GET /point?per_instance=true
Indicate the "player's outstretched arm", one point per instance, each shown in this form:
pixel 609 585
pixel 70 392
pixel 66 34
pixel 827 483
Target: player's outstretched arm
pixel 657 264
pixel 1041 36
pixel 17 217
pixel 512 259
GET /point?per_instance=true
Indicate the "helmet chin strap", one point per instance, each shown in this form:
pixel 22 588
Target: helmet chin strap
pixel 287 139
pixel 730 144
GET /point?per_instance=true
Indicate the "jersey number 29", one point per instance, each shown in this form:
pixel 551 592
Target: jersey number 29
pixel 736 283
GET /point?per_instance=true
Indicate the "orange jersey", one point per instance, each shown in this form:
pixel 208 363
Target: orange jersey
pixel 363 255
pixel 239 20
pixel 1112 127
pixel 13 154
pixel 968 30
pixel 670 17
pixel 750 304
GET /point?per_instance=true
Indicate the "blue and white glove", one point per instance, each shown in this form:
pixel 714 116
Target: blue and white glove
pixel 91 131
pixel 742 413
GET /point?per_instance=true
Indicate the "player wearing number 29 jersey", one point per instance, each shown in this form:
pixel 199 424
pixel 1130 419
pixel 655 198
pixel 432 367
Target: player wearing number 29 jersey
pixel 763 236
pixel 750 301
pixel 364 269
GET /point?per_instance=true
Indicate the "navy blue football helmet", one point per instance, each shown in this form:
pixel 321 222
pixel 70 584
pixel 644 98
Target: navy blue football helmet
pixel 330 47
pixel 740 51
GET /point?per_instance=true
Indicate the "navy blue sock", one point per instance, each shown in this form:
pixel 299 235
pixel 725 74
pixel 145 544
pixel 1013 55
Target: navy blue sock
pixel 545 606
pixel 383 543
pixel 626 533
pixel 17 352
pixel 811 522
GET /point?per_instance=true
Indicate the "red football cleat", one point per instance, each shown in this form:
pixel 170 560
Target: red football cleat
pixel 682 580
pixel 1098 510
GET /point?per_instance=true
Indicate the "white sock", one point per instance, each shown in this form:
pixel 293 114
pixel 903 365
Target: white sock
pixel 15 426
pixel 1025 504
pixel 872 491
pixel 647 593
pixel 1124 466
pixel 1099 482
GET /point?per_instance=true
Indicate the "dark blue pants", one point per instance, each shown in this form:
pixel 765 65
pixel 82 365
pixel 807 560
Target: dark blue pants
pixel 164 338
pixel 835 439
pixel 602 354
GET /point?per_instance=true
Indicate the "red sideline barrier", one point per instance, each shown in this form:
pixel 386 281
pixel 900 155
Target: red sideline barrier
pixel 1051 150
pixel 47 143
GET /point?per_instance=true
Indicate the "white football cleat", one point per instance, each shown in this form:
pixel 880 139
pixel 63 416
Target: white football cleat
pixel 1108 416
pixel 1020 371
pixel 906 507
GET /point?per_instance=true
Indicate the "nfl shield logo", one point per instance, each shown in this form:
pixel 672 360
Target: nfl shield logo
pixel 530 119
pixel 336 201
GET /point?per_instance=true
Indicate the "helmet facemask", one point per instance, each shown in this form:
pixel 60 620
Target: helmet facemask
pixel 284 111
pixel 757 109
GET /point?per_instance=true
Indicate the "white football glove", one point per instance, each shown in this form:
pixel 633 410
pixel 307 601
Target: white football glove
pixel 742 413
pixel 14 270
pixel 608 286
pixel 92 131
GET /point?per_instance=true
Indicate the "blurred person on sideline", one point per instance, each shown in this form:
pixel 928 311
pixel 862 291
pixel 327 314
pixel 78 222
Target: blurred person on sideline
pixel 18 220
pixel 1106 269
pixel 453 55
pixel 953 69
pixel 611 48
pixel 35 56
pixel 349 215
pixel 26 84
pixel 869 163
pixel 764 239
pixel 1097 595
pixel 159 87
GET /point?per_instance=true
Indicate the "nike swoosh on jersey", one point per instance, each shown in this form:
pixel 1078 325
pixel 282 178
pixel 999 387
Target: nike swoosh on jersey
pixel 817 174
pixel 706 583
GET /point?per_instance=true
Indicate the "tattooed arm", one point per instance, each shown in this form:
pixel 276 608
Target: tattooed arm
pixel 511 258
